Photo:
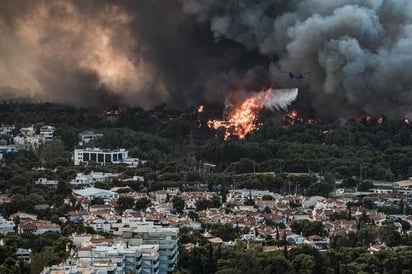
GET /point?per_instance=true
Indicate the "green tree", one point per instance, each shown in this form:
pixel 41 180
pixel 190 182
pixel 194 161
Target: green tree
pixel 125 202
pixel 304 264
pixel 178 204
pixel 142 204
pixel 51 151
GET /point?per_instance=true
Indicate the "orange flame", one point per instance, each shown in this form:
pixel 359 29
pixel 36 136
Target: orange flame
pixel 293 114
pixel 381 120
pixel 200 108
pixel 294 117
pixel 241 120
pixel 407 121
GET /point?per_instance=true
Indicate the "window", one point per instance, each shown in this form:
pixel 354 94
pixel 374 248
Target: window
pixel 108 158
pixel 100 157
pixel 86 157
pixel 93 156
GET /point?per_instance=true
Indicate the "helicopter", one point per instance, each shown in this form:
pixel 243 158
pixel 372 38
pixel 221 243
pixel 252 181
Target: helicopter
pixel 297 76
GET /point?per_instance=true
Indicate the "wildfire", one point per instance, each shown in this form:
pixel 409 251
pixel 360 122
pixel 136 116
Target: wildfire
pixel 294 117
pixel 200 108
pixel 367 120
pixel 243 119
pixel 381 120
pixel 364 119
pixel 114 112
pixel 407 121
pixel 293 114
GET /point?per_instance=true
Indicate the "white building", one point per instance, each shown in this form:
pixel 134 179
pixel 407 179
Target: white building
pixel 244 194
pixel 83 180
pixel 104 176
pixel 28 131
pixel 132 162
pixel 382 191
pixel 100 225
pixel 6 226
pixel 87 136
pixel 92 193
pixel 23 255
pixel 143 232
pixel 47 183
pixel 404 187
pixel 8 149
pixel 150 259
pixel 28 142
pixel 107 258
pixel 47 133
pixel 100 156
pixel 296 239
pixel 6 129
pixel 161 196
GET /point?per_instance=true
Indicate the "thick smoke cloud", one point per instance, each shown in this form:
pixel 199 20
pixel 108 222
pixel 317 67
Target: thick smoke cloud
pixel 103 53
pixel 185 52
pixel 358 51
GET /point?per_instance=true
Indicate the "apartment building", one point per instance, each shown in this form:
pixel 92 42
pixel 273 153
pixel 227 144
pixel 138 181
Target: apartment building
pixel 139 232
pixel 107 258
pixel 100 156
pixel 47 133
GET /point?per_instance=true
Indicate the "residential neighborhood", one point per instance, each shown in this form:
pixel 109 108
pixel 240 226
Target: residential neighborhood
pixel 93 207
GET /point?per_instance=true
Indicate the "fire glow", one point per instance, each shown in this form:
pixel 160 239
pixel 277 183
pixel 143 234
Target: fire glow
pixel 294 117
pixel 243 119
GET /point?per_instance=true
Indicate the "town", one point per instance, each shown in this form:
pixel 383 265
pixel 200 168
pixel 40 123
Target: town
pixel 95 209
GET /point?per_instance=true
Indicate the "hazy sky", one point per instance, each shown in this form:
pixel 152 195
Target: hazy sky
pixel 186 52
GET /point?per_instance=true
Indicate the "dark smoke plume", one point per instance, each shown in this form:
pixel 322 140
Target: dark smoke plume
pixel 358 51
pixel 183 52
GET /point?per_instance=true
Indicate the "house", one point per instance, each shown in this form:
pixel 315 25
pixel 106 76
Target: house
pixel 6 226
pixel 100 225
pixel 8 149
pixel 77 216
pixel 28 131
pixel 27 142
pixel 37 227
pixel 161 196
pixel 87 136
pixel 91 193
pixel 23 216
pixel 404 187
pixel 296 239
pixel 82 180
pixel 132 162
pixel 47 183
pixel 6 129
pixel 23 255
pixel 104 176
pixel 46 133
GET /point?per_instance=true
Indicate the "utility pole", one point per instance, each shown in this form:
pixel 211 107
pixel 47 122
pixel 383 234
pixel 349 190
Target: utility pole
pixel 361 172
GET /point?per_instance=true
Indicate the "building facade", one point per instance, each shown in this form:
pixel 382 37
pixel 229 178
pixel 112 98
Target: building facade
pixel 100 156
pixel 6 226
pixel 140 232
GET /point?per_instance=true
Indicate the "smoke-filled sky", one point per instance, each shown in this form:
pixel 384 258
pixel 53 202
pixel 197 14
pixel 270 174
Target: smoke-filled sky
pixel 186 52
